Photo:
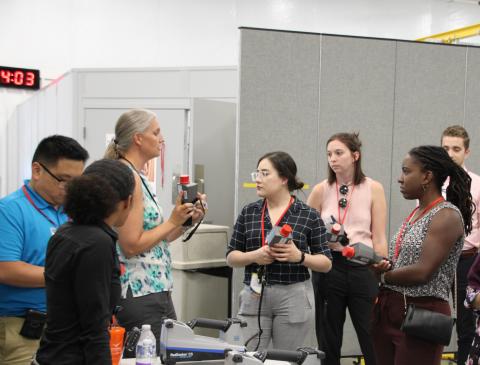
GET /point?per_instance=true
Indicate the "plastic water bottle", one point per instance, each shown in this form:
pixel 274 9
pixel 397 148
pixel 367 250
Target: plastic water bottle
pixel 146 351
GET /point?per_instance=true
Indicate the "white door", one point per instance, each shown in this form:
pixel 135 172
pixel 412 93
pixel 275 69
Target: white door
pixel 100 123
pixel 213 144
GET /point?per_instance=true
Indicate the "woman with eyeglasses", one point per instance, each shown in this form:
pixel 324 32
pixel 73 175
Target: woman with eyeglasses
pixel 143 241
pixel 354 209
pixel 275 301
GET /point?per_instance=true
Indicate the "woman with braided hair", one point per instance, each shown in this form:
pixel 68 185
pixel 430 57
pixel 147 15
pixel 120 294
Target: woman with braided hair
pixel 424 252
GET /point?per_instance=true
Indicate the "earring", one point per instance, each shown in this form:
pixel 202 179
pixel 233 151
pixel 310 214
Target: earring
pixel 424 187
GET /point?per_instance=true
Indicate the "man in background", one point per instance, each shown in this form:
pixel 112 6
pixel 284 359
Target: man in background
pixel 28 218
pixel 456 142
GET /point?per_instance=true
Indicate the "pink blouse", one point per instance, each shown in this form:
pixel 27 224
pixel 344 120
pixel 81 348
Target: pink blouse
pixel 358 218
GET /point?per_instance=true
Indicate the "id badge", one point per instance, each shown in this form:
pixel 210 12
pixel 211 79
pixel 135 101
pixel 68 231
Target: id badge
pixel 255 284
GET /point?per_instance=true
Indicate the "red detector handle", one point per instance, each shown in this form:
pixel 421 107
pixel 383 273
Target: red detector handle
pixel 285 230
pixel 348 252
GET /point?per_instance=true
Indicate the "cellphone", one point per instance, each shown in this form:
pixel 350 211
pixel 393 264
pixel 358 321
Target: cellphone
pixel 131 343
pixel 34 324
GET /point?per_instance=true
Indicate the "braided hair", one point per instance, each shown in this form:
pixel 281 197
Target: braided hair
pixel 437 160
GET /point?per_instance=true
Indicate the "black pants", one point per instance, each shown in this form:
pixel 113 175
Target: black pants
pixel 465 316
pixel 345 286
pixel 149 309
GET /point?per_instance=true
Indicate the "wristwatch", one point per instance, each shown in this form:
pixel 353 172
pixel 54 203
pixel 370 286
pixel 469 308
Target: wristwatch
pixel 302 259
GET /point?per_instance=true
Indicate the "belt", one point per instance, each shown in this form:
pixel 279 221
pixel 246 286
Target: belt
pixel 470 252
pixel 393 293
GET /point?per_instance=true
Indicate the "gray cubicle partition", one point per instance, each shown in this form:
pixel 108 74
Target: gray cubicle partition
pixel 297 89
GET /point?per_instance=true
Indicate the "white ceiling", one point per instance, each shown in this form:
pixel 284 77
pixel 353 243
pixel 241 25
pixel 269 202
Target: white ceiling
pixel 402 19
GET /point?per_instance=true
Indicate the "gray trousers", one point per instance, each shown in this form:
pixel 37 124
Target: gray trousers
pixel 286 316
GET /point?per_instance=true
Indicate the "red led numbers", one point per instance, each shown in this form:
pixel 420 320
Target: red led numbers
pixel 5 76
pixel 29 78
pixel 21 78
pixel 18 78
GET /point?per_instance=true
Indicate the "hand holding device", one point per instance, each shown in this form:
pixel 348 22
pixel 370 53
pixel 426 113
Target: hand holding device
pixel 279 235
pixel 336 236
pixel 189 194
pixel 181 212
pixel 263 256
pixel 362 254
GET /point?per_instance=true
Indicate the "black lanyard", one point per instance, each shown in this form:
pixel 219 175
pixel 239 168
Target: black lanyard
pixel 143 182
pixel 30 200
pixel 189 233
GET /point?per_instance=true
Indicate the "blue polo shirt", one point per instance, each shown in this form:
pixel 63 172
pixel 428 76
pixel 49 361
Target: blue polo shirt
pixel 24 235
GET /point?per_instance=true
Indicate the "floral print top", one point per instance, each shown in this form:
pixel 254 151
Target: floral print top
pixel 148 272
pixel 470 297
pixel 474 353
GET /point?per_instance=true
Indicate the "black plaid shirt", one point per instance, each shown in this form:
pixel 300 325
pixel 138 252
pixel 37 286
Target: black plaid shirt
pixel 309 234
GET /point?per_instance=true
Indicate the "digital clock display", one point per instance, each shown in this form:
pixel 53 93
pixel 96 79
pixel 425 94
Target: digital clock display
pixel 20 78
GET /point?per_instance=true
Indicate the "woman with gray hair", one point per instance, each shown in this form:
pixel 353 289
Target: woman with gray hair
pixel 143 240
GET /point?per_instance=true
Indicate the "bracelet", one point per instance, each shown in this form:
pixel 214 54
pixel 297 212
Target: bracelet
pixel 302 259
pixel 382 278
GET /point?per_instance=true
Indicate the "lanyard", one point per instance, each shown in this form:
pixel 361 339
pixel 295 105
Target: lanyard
pixel 279 219
pixel 143 183
pixel 398 242
pixel 348 204
pixel 29 198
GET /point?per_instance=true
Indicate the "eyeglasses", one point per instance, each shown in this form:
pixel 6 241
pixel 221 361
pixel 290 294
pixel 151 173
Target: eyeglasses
pixel 59 180
pixel 342 203
pixel 259 175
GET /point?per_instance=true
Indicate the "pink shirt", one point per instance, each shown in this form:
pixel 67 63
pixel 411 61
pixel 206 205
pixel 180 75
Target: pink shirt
pixel 358 221
pixel 473 239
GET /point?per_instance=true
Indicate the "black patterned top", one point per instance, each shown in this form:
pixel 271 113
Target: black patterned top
pixel 309 234
pixel 411 247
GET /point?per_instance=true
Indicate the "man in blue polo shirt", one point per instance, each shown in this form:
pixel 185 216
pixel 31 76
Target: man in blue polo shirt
pixel 28 218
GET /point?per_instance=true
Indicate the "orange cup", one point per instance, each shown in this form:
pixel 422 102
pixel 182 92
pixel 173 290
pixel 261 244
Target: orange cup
pixel 116 343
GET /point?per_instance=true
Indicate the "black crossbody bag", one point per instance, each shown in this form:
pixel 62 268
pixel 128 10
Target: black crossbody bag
pixel 428 325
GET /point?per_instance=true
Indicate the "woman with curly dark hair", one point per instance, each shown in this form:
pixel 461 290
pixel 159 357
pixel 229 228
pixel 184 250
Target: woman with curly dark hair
pixel 82 270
